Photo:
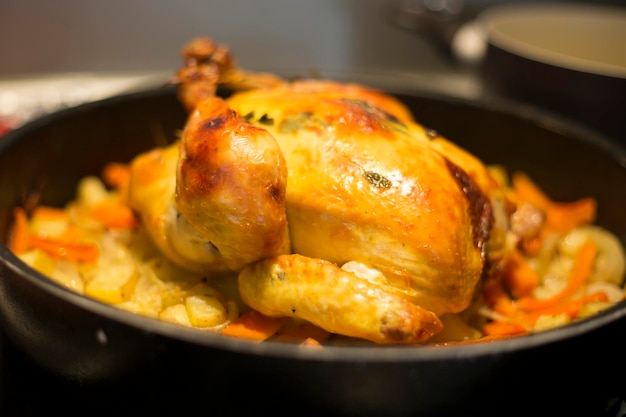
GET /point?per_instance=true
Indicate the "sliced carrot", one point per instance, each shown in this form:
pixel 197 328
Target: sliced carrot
pixel 525 312
pixel 58 248
pixel 72 233
pixel 559 216
pixel 116 175
pixel 571 309
pixel 252 325
pixel 310 342
pixel 498 299
pixel 520 278
pixel 596 296
pixel 532 246
pixel 565 216
pixel 115 215
pixel 512 296
pixel 581 270
pixel 527 190
pixel 504 328
pixel 20 238
pixel 47 213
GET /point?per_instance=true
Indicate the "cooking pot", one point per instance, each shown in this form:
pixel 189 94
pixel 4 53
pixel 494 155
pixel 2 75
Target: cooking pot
pixel 567 57
pixel 144 364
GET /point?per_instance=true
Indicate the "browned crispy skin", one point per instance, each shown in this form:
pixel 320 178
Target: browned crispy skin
pixel 216 200
pixel 329 173
pixel 208 65
pixel 366 183
pixel 231 184
pixel 336 300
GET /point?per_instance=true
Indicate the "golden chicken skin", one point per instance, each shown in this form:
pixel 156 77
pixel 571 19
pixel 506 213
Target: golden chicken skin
pixel 330 201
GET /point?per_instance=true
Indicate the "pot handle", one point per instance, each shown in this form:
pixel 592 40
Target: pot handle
pixel 450 25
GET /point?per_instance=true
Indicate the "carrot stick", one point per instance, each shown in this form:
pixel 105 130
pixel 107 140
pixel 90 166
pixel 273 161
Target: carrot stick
pixel 571 308
pixel 252 325
pixel 81 252
pixel 521 322
pixel 20 238
pixel 47 213
pixel 527 190
pixel 503 328
pixel 498 299
pixel 520 278
pixel 531 246
pixel 72 233
pixel 583 265
pixel 559 216
pixel 116 175
pixel 565 216
pixel 115 215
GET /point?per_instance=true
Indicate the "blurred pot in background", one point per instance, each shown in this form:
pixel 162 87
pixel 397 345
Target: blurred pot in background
pixel 567 57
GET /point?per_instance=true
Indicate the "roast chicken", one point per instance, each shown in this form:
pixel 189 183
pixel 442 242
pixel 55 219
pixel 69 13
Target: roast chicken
pixel 328 201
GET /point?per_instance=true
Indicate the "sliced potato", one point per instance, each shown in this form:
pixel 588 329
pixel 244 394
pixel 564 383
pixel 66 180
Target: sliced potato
pixel 205 310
